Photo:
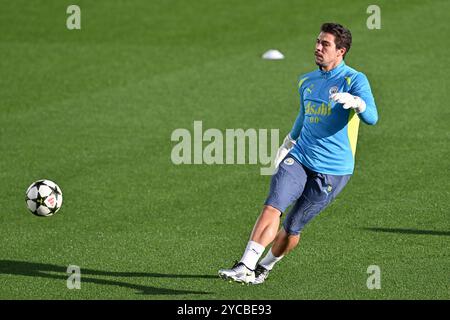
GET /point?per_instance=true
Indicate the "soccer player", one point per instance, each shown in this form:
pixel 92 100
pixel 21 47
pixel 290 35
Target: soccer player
pixel 316 159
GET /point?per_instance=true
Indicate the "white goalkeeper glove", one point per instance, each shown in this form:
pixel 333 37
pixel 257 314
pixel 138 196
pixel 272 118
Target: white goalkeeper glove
pixel 349 101
pixel 287 145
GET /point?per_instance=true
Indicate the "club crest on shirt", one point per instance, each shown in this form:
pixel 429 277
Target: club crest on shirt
pixel 333 90
pixel 289 161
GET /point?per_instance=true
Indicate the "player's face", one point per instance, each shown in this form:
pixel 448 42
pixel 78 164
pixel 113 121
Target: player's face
pixel 327 56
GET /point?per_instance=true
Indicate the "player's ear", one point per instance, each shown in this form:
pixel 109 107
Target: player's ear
pixel 341 51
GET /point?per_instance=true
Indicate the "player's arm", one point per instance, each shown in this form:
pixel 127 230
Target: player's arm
pixel 360 99
pixel 298 124
pixel 291 138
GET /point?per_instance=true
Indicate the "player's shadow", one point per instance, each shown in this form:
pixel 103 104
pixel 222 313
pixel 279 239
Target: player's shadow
pixel 33 269
pixel 410 231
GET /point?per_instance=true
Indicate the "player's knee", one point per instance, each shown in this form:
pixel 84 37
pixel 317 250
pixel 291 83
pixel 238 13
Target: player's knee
pixel 291 230
pixel 270 210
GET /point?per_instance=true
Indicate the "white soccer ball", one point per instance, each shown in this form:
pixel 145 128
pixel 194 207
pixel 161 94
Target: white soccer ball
pixel 44 198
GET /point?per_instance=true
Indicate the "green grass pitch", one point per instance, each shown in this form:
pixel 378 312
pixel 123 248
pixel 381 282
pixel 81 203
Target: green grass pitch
pixel 94 109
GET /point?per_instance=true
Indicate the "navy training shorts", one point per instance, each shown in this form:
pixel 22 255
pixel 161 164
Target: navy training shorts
pixel 311 191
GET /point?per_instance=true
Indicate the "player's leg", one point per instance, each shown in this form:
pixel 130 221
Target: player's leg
pixel 266 226
pixel 284 243
pixel 319 191
pixel 286 186
pixel 263 233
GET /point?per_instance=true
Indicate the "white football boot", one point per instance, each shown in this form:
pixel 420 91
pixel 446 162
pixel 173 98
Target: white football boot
pixel 238 273
pixel 261 274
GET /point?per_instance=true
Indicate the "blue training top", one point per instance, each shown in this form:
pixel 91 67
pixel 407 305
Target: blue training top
pixel 325 132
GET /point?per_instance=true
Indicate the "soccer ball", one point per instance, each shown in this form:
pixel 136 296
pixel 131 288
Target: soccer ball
pixel 43 198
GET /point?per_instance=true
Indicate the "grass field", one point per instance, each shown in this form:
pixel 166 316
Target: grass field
pixel 94 109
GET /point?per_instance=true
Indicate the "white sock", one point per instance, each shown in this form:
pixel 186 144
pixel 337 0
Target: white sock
pixel 252 254
pixel 269 260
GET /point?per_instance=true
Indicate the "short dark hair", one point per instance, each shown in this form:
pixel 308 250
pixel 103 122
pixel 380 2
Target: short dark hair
pixel 342 36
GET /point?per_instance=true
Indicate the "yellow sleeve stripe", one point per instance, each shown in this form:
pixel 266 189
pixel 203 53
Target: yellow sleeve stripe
pixel 348 80
pixel 352 130
pixel 301 82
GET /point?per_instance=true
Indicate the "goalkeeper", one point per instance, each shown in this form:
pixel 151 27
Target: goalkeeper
pixel 316 159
